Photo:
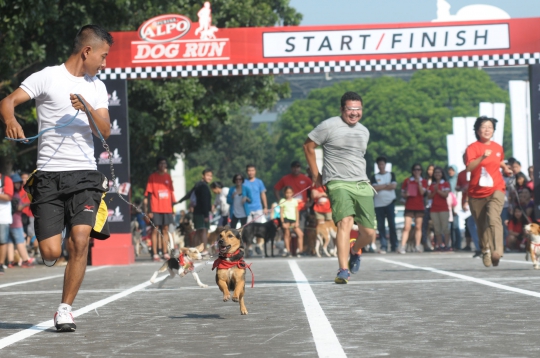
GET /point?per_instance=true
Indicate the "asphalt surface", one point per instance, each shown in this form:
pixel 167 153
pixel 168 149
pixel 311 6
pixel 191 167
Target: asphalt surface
pixel 413 305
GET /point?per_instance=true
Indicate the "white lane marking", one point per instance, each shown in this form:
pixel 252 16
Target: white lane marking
pixel 518 262
pixel 324 336
pixel 47 278
pixel 466 278
pixel 40 327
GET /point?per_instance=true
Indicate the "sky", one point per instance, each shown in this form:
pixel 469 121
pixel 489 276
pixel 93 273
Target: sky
pixel 342 12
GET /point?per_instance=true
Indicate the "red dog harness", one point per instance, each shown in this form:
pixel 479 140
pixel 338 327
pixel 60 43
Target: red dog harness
pixel 223 262
pixel 182 262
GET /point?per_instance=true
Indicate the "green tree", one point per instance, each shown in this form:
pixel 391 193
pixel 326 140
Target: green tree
pixel 236 144
pixel 167 116
pixel 408 121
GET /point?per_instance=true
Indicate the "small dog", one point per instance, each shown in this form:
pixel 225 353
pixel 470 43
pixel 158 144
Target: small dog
pixel 266 231
pixel 182 264
pixel 231 267
pixel 325 232
pixel 533 244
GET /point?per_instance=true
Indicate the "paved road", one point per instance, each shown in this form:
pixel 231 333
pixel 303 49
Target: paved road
pixel 414 305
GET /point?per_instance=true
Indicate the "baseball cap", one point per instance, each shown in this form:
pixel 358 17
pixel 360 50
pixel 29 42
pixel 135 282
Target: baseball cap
pixel 16 178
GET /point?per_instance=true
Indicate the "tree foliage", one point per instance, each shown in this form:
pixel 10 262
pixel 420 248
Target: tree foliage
pixel 166 116
pixel 408 121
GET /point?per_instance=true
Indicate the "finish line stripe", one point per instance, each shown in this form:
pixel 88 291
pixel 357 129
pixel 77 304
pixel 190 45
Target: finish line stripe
pixel 47 278
pixel 40 327
pixel 466 278
pixel 324 336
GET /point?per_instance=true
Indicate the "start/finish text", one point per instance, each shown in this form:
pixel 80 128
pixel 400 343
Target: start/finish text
pixel 383 41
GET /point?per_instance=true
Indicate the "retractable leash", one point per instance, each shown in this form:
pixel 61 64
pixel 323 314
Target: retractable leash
pixel 106 147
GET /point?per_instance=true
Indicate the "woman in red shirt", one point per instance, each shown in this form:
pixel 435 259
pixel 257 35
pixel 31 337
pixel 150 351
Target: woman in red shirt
pixel 413 190
pixel 486 189
pixel 440 215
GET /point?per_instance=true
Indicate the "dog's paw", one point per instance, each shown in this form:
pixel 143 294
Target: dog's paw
pixel 226 298
pixel 536 267
pixel 235 299
pixel 243 311
pixel 203 286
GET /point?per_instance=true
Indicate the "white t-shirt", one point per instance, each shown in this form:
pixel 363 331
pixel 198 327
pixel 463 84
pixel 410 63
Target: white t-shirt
pixel 71 147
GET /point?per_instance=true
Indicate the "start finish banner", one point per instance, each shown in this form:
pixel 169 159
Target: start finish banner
pixel 171 46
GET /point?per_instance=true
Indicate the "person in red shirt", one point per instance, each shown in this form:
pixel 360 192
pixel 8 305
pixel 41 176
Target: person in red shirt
pixel 486 189
pixel 300 184
pixel 6 193
pixel 413 190
pixel 322 207
pixel 515 230
pixel 438 192
pixel 160 194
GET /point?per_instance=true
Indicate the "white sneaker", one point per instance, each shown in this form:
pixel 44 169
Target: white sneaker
pixel 401 250
pixel 63 320
pixel 419 248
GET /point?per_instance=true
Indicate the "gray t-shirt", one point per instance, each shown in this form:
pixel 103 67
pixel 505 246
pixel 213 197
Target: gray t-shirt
pixel 344 147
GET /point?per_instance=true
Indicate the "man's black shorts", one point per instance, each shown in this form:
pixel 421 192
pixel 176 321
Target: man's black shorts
pixel 62 199
pixel 163 219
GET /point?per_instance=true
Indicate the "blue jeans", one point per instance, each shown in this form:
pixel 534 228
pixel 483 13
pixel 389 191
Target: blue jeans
pixel 471 225
pixel 504 217
pixel 387 212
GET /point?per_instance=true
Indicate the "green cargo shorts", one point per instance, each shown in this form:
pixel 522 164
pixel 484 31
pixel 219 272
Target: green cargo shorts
pixel 352 199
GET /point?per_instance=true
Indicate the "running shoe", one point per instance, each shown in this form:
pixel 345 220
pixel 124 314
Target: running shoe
pixel 28 263
pixel 63 320
pixel 419 248
pixel 11 264
pixel 486 258
pixel 354 258
pixel 156 258
pixel 401 250
pixel 1 269
pixel 343 276
pixel 49 263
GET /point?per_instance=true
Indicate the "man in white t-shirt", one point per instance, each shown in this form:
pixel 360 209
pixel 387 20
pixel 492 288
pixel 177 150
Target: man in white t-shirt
pixel 385 184
pixel 66 188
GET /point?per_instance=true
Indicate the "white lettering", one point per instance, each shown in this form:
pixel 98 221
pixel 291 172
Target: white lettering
pixel 172 50
pixel 143 51
pixel 157 51
pixel 148 33
pixel 191 50
pixel 170 27
pixel 203 49
pixel 217 49
pixel 182 26
pixel 396 40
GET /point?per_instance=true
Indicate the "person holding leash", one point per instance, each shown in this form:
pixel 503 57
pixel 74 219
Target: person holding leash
pixel 485 158
pixel 66 188
pixel 344 141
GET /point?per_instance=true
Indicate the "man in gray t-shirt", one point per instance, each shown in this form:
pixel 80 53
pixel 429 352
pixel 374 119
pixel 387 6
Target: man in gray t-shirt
pixel 344 141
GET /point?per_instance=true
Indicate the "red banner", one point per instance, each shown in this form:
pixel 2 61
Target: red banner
pixel 170 45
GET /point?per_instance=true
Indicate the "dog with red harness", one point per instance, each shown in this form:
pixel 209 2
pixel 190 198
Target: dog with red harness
pixel 533 243
pixel 231 267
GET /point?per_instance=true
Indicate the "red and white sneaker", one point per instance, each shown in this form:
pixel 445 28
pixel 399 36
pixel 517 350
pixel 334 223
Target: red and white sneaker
pixel 63 320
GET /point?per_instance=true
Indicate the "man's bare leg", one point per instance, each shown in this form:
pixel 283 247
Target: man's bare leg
pixel 343 237
pixel 165 239
pixel 77 246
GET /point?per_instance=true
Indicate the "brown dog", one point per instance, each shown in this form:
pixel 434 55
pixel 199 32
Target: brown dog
pixel 325 232
pixel 533 243
pixel 231 267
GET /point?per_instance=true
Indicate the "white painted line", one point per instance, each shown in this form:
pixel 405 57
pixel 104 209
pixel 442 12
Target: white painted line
pixel 518 262
pixel 47 278
pixel 466 278
pixel 324 336
pixel 40 327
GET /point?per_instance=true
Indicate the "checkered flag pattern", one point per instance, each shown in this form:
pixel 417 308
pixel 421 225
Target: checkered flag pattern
pixel 320 66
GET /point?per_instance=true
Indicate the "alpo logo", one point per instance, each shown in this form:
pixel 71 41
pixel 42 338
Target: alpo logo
pixel 164 28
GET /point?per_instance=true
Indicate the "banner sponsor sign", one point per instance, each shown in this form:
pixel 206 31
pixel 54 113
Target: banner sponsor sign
pixel 534 78
pixel 171 45
pixel 119 211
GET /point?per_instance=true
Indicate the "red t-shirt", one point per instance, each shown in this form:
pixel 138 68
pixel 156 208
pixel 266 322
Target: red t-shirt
pixel 297 183
pixel 25 200
pixel 322 205
pixel 491 167
pixel 463 185
pixel 439 203
pixel 161 188
pixel 415 201
pixel 7 187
